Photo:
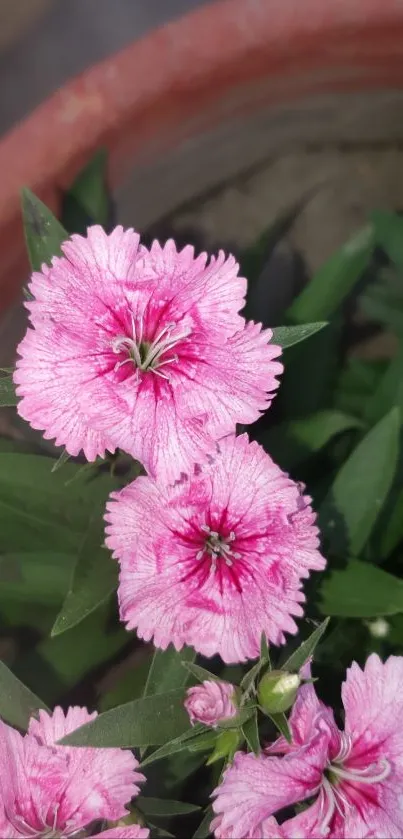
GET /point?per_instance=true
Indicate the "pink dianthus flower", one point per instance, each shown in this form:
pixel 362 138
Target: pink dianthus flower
pixel 141 349
pixel 129 831
pixel 354 776
pixel 216 559
pixel 47 789
pixel 211 702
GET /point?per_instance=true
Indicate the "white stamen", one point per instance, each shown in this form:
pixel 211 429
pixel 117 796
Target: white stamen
pixel 327 796
pixel 364 776
pixel 345 748
pixel 152 352
pixel 216 546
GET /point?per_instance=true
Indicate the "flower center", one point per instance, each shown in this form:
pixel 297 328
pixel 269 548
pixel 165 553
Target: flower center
pixel 146 355
pixel 216 547
pixel 333 796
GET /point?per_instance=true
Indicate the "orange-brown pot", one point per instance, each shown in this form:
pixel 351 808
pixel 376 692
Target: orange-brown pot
pixel 203 97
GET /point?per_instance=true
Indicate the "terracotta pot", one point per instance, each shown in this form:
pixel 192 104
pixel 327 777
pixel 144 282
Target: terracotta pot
pixel 204 98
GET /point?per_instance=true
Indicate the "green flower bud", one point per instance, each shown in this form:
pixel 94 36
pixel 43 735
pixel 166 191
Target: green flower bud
pixel 277 691
pixel 226 745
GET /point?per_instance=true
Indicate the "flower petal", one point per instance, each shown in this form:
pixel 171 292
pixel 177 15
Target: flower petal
pixel 254 788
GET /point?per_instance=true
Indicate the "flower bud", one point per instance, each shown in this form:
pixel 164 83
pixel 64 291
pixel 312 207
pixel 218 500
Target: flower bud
pixel 211 703
pixel 226 745
pixel 277 691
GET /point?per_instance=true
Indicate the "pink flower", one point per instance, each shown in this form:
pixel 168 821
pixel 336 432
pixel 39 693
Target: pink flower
pixel 211 702
pixel 47 789
pixel 129 831
pixel 217 559
pixel 354 776
pixel 143 350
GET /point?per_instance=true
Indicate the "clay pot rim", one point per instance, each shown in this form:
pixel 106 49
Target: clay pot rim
pixel 181 71
pixel 217 38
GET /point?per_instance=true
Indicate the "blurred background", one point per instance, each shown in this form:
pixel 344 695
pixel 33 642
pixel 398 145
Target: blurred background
pixel 218 117
pixel 45 42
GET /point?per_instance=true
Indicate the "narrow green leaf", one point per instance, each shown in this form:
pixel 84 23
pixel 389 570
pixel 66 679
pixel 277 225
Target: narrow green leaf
pixel 392 531
pixel 144 722
pixel 87 201
pixel 200 673
pixel 94 579
pixel 17 702
pixel 8 396
pixel 242 716
pixel 251 676
pixel 43 511
pixel 264 649
pixel 361 591
pixel 388 231
pixel 64 457
pixel 281 723
pixel 251 733
pixel 55 665
pixel 43 232
pixel 388 393
pixel 167 671
pixel 203 831
pixel 35 576
pixel 128 683
pixel 287 336
pixel 204 743
pixel 159 831
pixel 304 652
pixel 164 807
pixel 359 490
pixel 334 280
pixel 293 442
pixel 178 744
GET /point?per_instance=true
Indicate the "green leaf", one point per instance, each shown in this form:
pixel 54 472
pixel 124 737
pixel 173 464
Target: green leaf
pixel 94 579
pixel 87 201
pixel 281 723
pixel 251 733
pixel 203 831
pixel 304 652
pixel 388 393
pixel 356 384
pixel 43 511
pixel 204 743
pixel 264 649
pixel 127 683
pixel 159 831
pixel 349 511
pixel 361 591
pixel 43 232
pixel 293 442
pixel 167 671
pixel 164 807
pixel 17 702
pixel 388 231
pixel 57 664
pixel 143 722
pixel 64 457
pixel 392 531
pixel 40 577
pixel 8 396
pixel 335 279
pixel 303 393
pixel 287 336
pixel 200 673
pixel 178 744
pixel 251 676
pixel 242 716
